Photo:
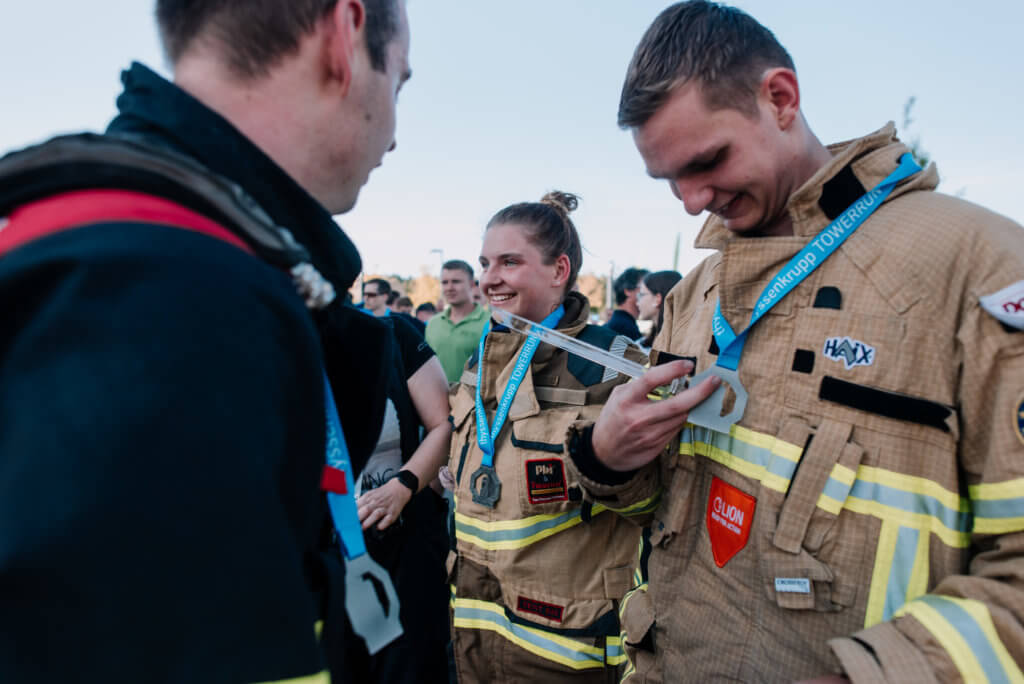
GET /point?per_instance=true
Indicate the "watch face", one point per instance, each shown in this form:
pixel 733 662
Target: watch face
pixel 409 479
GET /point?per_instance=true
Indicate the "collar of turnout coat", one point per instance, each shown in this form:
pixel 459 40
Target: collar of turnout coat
pixel 165 114
pixel 857 166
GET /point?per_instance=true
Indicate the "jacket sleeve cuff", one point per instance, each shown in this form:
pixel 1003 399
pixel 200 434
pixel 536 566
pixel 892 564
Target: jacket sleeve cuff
pixel 882 654
pixel 610 487
pixel 581 448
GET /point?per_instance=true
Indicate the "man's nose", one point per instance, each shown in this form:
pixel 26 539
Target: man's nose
pixel 695 196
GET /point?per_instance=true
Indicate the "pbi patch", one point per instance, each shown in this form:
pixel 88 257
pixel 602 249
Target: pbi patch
pixel 850 351
pixel 1018 418
pixel 548 611
pixel 545 481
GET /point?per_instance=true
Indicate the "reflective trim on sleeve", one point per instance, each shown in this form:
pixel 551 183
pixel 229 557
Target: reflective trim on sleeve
pixel 998 507
pixel 474 614
pixel 964 628
pixel 318 678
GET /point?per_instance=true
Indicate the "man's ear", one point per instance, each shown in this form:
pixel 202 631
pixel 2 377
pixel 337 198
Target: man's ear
pixel 344 29
pixel 781 92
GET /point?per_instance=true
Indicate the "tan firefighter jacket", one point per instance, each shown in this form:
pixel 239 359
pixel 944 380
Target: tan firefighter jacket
pixel 543 563
pixel 879 468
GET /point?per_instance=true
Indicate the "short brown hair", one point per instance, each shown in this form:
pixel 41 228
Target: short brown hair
pixel 724 49
pixel 255 34
pixel 549 228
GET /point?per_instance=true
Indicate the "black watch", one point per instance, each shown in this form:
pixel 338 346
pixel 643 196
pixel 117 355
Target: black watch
pixel 409 479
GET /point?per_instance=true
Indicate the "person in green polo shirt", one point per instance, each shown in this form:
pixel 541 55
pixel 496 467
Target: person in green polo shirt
pixel 454 333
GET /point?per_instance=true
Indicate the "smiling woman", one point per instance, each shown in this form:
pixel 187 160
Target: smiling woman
pixel 538 569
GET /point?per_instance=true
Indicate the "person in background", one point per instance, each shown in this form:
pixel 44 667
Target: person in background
pixel 376 292
pixel 454 332
pixel 861 518
pixel 539 571
pixel 403 310
pixel 402 304
pixel 405 516
pixel 650 300
pixel 170 356
pixel 425 311
pixel 623 320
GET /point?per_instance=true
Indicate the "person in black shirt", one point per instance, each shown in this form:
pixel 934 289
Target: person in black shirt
pixel 623 320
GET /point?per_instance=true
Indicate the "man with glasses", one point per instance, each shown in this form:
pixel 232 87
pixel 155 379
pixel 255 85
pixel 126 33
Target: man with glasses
pixel 375 297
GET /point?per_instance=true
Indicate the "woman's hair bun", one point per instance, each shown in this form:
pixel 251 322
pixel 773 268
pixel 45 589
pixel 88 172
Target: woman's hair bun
pixel 564 202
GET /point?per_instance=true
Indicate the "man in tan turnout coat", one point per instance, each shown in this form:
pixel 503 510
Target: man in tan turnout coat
pixel 865 516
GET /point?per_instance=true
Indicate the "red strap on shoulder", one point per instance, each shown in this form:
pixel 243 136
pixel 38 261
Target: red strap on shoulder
pixel 69 210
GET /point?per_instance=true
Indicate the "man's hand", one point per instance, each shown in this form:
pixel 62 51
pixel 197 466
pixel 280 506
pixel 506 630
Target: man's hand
pixel 632 430
pixel 383 505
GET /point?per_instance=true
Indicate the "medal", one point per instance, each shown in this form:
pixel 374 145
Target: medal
pixel 485 484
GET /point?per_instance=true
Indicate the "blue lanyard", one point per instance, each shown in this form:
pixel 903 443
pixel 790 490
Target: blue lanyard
pixel 485 436
pixel 813 255
pixel 343 506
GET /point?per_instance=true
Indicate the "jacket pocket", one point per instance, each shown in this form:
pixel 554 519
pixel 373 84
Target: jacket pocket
pixel 463 404
pixel 812 555
pixel 546 484
pixel 638 626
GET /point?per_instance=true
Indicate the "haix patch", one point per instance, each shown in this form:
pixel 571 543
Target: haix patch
pixel 548 611
pixel 730 517
pixel 1018 418
pixel 1007 305
pixel 850 351
pixel 545 481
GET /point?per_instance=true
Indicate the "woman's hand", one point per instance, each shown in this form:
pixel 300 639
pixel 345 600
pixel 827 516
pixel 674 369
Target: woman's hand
pixel 383 505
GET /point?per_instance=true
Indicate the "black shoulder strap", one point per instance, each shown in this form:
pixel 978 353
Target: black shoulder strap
pixel 90 161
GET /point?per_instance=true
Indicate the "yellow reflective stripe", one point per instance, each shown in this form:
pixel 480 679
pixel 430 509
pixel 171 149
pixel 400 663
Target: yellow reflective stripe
pixel 745 468
pixel 515 543
pixel 920 521
pixel 998 507
pixel 614 653
pixel 790 452
pixel 914 485
pixel 949 639
pixel 755 455
pixel 884 554
pixel 318 629
pixel 1010 489
pixel 497 525
pixel 918 585
pixel 646 506
pixel 475 614
pixel 318 678
pixel 628 595
pixel 964 628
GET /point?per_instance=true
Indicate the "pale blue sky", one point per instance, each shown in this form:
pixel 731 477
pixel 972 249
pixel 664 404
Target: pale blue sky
pixel 510 99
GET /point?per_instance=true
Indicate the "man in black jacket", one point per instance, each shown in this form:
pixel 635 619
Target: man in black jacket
pixel 162 392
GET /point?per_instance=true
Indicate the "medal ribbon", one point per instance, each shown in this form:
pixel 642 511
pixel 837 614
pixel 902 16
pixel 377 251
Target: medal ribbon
pixel 343 506
pixel 485 437
pixel 813 255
